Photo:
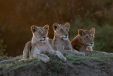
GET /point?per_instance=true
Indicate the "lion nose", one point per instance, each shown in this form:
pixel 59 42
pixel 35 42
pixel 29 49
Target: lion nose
pixel 92 43
pixel 44 37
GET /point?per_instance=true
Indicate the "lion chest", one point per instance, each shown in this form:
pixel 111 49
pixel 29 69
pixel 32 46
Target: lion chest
pixel 61 44
pixel 41 48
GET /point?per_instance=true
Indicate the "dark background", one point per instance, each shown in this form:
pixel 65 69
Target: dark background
pixel 16 17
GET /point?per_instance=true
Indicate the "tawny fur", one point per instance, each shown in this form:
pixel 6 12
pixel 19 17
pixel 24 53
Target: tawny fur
pixel 39 45
pixel 61 40
pixel 84 41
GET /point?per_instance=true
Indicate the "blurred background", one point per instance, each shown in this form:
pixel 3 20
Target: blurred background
pixel 16 17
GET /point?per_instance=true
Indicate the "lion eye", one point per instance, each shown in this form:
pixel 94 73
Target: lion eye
pixel 86 36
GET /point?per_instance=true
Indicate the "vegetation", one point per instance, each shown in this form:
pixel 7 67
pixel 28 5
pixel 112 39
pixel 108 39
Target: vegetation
pixel 2 45
pixel 2 48
pixel 15 63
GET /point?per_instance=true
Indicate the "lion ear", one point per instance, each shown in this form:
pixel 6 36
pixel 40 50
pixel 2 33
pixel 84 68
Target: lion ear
pixel 92 30
pixel 67 24
pixel 46 27
pixel 33 28
pixel 55 26
pixel 81 32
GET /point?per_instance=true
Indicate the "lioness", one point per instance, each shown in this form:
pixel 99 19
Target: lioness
pixel 39 45
pixel 61 40
pixel 84 41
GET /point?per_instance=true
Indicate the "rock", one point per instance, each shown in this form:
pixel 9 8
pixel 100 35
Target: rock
pixel 95 64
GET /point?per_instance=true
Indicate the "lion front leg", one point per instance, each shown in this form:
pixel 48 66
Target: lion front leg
pixel 26 51
pixel 37 54
pixel 60 55
pixel 43 58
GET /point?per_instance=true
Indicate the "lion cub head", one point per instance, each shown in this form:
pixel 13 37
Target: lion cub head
pixel 87 38
pixel 61 30
pixel 40 33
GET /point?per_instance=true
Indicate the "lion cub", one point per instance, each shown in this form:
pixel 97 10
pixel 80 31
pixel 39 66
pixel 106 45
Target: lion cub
pixel 84 41
pixel 61 40
pixel 39 45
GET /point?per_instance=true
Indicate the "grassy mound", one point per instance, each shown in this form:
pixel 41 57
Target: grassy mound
pixel 14 63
